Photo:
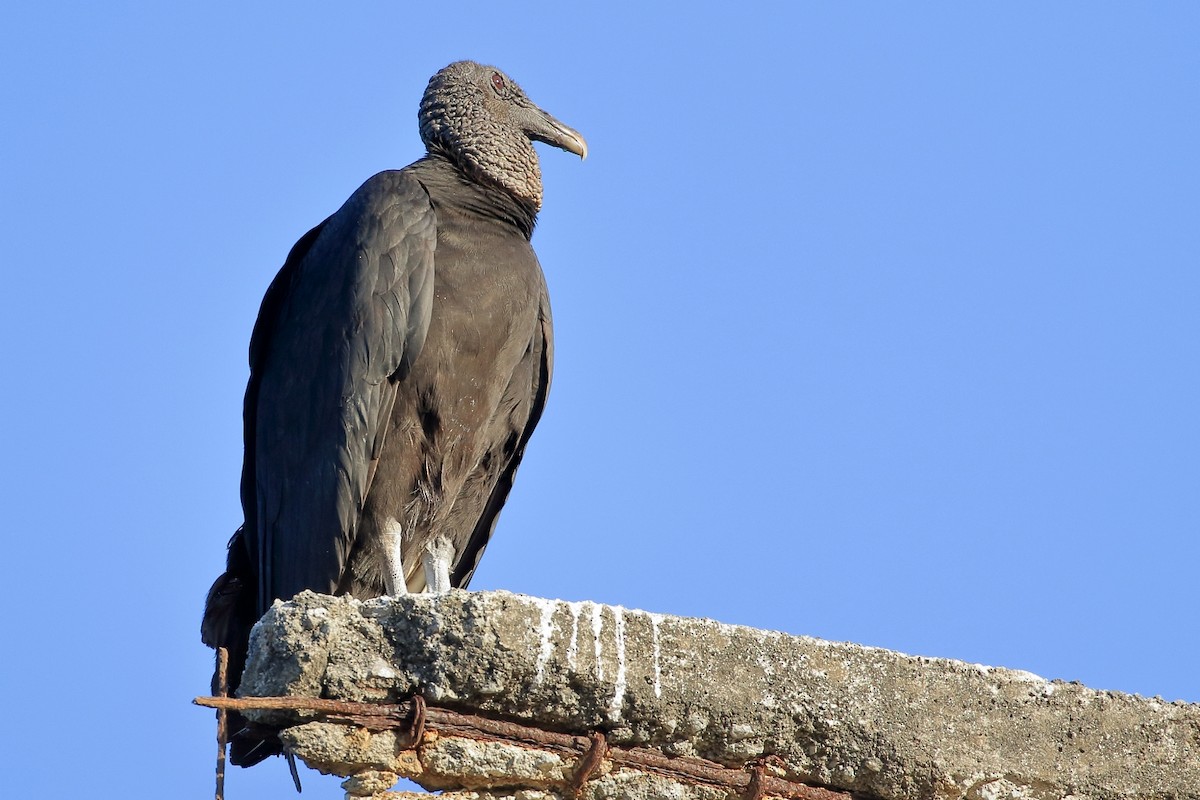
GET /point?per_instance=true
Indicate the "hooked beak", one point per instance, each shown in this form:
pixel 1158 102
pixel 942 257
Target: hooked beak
pixel 541 127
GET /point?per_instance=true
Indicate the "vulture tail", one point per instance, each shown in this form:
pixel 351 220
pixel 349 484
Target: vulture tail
pixel 229 614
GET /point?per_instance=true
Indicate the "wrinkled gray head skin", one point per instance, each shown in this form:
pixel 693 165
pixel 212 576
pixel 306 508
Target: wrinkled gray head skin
pixel 479 118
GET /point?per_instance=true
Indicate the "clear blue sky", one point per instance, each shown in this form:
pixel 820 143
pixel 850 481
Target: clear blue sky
pixel 873 323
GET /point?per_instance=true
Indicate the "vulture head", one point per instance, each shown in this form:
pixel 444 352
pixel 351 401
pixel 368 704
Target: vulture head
pixel 479 118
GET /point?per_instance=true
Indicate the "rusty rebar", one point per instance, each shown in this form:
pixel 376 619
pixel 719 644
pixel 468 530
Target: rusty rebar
pixel 401 716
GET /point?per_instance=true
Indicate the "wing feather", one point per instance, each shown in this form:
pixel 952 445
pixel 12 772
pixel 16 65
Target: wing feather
pixel 343 321
pixel 541 354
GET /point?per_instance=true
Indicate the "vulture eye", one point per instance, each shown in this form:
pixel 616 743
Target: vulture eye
pixel 497 81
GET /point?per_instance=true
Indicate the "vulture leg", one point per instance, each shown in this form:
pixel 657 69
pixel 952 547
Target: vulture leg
pixel 438 557
pixel 393 568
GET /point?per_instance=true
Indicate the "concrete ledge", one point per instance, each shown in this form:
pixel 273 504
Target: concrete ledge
pixel 847 717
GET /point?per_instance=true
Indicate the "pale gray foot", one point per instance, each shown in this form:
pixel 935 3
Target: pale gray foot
pixel 393 568
pixel 438 556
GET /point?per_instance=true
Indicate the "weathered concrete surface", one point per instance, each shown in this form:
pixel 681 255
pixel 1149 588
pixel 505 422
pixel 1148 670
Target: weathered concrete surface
pixel 844 716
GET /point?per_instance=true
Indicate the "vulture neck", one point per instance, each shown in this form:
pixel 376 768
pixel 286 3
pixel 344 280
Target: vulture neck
pixel 448 180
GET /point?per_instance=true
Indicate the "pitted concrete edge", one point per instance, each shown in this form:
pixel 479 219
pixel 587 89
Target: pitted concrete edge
pixel 856 718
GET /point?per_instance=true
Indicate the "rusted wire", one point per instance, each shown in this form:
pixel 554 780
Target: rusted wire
pixel 754 789
pixel 588 764
pixel 222 719
pixel 416 729
pixel 402 716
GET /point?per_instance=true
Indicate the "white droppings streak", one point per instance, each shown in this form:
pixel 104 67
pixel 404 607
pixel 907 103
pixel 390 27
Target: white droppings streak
pixel 614 710
pixel 546 633
pixel 655 619
pixel 573 645
pixel 597 627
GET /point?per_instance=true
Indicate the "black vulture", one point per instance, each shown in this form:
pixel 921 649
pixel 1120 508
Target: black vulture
pixel 400 361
